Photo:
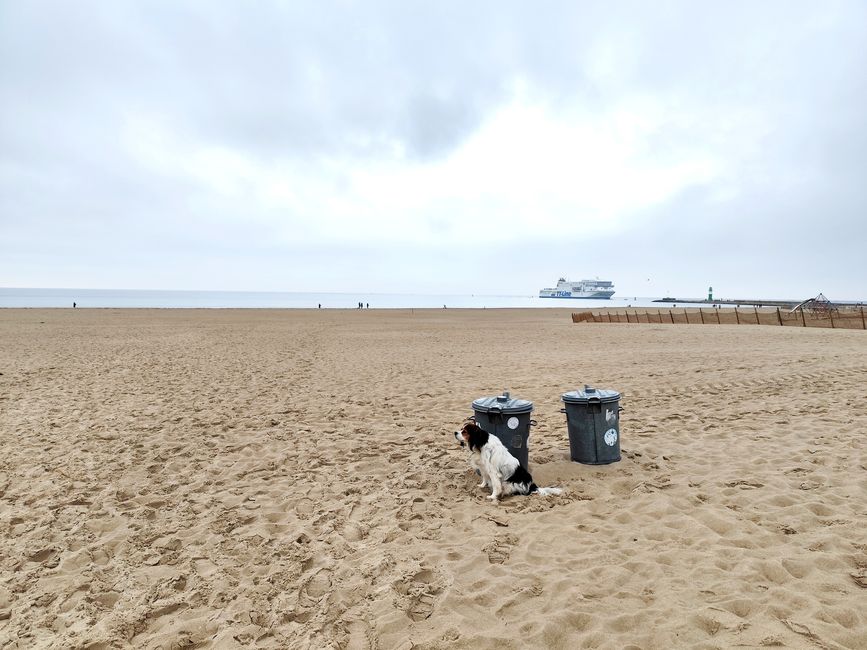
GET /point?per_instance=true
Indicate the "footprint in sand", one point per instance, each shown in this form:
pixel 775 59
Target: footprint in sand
pixel 744 485
pixel 708 624
pixel 500 549
pixel 316 587
pixel 418 507
pixel 352 531
pixel 422 606
pixel 49 556
pixel 360 636
pixel 304 508
pixel 420 592
pixel 860 577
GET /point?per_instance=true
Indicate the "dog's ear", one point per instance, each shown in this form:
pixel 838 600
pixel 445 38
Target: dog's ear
pixel 477 437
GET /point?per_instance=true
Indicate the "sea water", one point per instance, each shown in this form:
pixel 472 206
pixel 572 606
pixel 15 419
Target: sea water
pixel 135 298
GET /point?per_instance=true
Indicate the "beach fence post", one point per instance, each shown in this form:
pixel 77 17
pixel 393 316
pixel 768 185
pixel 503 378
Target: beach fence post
pixel 686 314
pixel 779 317
pixel 863 324
pixel 737 317
pixel 803 319
pixel 757 314
pixel 609 316
pixel 701 315
pixel 671 315
pixel 627 317
pixel 831 314
pixel 718 321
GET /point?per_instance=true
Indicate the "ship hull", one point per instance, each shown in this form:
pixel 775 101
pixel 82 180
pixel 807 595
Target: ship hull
pixel 572 295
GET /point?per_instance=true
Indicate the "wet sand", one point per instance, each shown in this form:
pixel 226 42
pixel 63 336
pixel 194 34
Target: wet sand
pixel 229 478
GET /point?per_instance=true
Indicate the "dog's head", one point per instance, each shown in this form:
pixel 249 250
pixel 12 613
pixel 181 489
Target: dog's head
pixel 472 436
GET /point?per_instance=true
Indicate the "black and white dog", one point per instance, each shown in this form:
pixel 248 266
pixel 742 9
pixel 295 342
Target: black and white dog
pixel 499 469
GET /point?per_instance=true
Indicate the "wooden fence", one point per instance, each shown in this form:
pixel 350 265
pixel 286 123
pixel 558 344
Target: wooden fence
pixel 842 319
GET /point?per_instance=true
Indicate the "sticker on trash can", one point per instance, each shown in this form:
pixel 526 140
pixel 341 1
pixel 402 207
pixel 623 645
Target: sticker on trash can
pixel 512 423
pixel 610 416
pixel 610 437
pixel 517 443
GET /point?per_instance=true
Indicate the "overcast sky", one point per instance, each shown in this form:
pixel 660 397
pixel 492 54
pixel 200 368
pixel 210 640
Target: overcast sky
pixel 436 147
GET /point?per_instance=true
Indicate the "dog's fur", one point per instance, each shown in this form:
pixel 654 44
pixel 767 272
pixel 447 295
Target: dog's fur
pixel 499 469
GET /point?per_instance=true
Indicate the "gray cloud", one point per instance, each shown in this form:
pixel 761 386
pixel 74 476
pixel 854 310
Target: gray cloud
pixel 775 90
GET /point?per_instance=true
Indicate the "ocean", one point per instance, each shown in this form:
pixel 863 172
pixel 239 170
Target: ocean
pixel 161 299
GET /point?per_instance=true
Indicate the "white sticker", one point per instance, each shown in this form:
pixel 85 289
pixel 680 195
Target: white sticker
pixel 512 423
pixel 611 437
pixel 610 416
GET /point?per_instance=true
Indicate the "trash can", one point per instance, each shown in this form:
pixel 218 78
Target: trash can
pixel 593 420
pixel 508 419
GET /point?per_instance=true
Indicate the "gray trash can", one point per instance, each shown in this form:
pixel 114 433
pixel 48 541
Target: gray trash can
pixel 509 420
pixel 593 420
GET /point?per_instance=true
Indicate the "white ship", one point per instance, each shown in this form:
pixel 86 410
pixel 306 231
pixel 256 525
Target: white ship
pixel 582 289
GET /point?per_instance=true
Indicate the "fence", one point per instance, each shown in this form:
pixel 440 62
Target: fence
pixel 836 319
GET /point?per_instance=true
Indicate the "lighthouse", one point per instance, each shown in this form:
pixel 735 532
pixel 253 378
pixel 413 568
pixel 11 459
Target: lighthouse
pixel 710 294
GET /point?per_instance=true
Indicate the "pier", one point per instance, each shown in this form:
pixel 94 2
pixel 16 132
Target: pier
pixel 756 302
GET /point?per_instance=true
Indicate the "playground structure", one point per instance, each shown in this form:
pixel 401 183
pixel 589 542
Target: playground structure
pixel 819 306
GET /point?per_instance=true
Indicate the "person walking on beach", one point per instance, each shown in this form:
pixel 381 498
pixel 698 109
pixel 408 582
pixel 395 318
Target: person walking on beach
pixel 73 305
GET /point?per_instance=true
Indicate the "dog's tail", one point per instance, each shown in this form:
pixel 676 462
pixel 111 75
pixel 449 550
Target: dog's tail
pixel 544 492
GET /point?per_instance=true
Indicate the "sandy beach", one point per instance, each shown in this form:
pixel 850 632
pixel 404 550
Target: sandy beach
pixel 289 479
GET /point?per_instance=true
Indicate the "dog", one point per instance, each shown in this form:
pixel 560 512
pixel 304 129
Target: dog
pixel 499 469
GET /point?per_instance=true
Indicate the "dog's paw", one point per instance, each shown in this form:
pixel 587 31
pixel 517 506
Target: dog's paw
pixel 494 497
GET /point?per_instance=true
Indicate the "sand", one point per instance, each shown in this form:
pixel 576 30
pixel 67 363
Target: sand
pixel 289 479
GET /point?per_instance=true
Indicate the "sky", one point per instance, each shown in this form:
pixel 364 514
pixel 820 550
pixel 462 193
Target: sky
pixel 435 147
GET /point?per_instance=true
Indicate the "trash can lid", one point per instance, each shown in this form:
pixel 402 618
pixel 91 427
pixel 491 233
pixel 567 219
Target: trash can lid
pixel 590 394
pixel 502 404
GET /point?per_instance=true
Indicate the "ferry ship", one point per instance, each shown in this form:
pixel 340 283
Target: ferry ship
pixel 583 289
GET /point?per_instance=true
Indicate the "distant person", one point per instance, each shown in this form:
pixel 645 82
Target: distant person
pixel 367 304
pixel 73 305
pixel 320 305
